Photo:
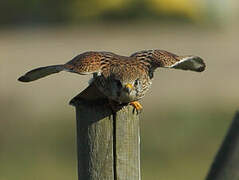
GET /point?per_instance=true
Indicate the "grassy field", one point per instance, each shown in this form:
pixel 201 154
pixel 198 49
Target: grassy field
pixel 185 114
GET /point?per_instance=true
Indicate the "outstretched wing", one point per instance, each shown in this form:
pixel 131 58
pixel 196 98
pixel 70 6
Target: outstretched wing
pixel 102 63
pixel 85 63
pixel 161 58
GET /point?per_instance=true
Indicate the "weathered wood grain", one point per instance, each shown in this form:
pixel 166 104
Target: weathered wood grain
pixel 108 143
pixel 94 142
pixel 127 144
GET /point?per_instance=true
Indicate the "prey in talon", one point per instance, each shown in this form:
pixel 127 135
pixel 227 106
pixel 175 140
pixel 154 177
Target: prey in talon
pixel 122 79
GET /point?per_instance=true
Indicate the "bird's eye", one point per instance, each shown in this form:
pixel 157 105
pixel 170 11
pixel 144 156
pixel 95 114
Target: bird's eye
pixel 136 83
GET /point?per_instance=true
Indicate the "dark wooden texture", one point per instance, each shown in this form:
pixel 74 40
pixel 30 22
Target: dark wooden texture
pixel 108 144
pixel 226 163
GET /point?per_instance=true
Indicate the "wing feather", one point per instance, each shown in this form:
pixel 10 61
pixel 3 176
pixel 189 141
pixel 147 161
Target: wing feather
pixel 165 59
pixel 193 63
pixel 85 63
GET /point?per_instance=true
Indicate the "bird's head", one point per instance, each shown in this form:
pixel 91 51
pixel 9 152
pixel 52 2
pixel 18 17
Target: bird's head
pixel 129 90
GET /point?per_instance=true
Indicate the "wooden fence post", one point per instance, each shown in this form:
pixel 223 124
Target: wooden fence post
pixel 226 163
pixel 108 144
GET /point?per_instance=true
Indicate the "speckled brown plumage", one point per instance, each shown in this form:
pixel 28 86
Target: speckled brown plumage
pixel 122 79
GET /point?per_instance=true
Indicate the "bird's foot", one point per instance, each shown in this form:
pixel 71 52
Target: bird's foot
pixel 137 106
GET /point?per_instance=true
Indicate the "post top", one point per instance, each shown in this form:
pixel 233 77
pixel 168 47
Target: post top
pixel 89 95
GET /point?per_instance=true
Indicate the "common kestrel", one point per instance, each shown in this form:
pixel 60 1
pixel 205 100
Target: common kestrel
pixel 121 79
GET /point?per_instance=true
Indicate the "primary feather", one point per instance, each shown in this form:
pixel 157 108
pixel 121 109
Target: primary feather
pixel 40 73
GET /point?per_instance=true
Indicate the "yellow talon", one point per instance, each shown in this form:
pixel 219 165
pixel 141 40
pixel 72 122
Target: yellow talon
pixel 137 105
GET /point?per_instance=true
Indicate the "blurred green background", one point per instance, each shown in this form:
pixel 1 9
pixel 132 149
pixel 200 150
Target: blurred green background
pixel 185 116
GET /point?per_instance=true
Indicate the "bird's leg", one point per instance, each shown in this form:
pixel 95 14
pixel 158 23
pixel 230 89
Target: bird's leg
pixel 136 105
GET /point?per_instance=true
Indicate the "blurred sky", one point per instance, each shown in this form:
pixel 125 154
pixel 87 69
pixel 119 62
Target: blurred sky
pixel 185 115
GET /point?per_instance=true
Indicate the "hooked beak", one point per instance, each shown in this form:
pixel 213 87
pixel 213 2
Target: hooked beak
pixel 128 88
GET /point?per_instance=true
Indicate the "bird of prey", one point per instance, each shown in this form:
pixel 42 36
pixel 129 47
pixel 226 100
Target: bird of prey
pixel 122 79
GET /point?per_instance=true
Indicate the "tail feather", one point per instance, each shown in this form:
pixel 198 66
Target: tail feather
pixel 193 63
pixel 40 73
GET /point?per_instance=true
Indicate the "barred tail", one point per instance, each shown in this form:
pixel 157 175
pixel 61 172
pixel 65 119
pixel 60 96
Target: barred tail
pixel 40 73
pixel 193 63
